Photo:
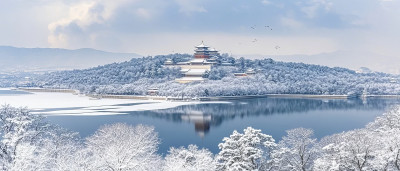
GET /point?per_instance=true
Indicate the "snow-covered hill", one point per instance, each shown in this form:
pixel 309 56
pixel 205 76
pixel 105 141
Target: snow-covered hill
pixel 272 77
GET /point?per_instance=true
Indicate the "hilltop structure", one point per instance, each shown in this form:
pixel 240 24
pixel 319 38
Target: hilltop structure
pixel 204 55
pixel 203 59
pixel 205 52
pixel 194 70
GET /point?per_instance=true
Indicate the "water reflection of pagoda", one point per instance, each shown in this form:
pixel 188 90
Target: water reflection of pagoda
pixel 201 122
pixel 207 116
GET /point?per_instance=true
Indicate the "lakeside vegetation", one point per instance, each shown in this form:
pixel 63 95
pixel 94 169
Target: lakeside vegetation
pixel 30 143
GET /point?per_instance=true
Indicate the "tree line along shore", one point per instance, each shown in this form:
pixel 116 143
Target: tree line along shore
pixel 216 98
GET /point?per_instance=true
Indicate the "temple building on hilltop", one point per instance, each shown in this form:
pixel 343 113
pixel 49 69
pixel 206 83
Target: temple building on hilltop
pixel 194 70
pixel 197 69
pixel 203 51
pixel 204 55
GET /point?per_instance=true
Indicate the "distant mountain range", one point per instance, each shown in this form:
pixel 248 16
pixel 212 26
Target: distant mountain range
pixel 15 59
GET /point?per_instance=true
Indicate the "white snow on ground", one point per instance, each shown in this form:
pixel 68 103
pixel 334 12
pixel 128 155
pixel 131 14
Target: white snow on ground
pixel 69 104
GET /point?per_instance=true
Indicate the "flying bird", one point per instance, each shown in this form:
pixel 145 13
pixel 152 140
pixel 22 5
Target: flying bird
pixel 268 27
pixel 277 47
pixel 255 40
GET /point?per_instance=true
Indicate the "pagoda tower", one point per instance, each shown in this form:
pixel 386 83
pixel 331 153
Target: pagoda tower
pixel 193 70
pixel 202 51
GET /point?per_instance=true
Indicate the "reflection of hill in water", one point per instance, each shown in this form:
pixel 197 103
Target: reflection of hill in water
pixel 206 115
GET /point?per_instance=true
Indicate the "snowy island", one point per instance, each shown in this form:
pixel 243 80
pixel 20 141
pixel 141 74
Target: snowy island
pixel 207 74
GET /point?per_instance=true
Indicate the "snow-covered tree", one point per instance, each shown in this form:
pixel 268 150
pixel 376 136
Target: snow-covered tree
pixel 297 150
pixel 123 147
pixel 387 121
pixel 352 150
pixel 386 129
pixel 248 151
pixel 190 159
pixel 29 143
pixel 18 128
pixel 60 149
pixel 376 147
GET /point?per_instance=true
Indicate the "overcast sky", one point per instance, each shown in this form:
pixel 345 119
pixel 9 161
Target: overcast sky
pixel 151 27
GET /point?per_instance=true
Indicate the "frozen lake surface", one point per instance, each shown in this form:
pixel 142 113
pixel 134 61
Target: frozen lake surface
pixel 204 124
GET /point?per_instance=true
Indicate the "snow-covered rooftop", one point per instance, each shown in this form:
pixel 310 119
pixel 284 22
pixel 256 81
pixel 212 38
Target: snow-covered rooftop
pixel 190 79
pixel 212 49
pixel 197 60
pixel 182 63
pixel 196 72
pixel 185 70
pixel 250 71
pixel 202 45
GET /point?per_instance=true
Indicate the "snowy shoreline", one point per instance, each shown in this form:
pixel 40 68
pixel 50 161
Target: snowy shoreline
pixel 68 104
pixel 210 98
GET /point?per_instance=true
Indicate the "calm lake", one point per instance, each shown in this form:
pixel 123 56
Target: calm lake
pixel 207 124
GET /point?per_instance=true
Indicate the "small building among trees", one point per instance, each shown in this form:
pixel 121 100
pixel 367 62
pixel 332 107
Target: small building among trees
pixel 248 72
pixel 152 91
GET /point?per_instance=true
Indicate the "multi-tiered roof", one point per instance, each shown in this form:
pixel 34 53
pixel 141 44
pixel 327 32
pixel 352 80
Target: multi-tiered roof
pixel 205 52
pixel 195 69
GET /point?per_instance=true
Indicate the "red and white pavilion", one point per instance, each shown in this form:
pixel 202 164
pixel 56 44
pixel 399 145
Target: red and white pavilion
pixel 193 70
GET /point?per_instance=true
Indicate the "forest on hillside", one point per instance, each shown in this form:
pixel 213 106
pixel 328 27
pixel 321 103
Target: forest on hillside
pixel 136 76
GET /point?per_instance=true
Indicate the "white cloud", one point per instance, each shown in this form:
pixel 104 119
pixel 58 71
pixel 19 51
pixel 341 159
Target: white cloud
pixel 266 2
pixel 83 15
pixel 143 13
pixel 190 6
pixel 58 40
pixel 311 7
pixel 156 26
pixel 291 23
pixel 310 11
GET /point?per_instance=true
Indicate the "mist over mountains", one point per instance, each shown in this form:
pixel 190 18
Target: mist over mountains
pixel 14 59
